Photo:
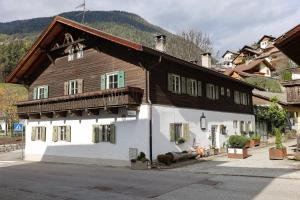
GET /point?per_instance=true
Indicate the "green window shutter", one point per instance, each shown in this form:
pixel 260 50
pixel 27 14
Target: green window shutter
pixel 172 132
pixel 170 82
pixel 199 88
pixel 80 85
pixel 103 82
pixel 66 88
pixel 33 134
pixel 68 133
pixel 55 134
pixel 46 91
pixel 183 85
pixel 188 86
pixel 95 134
pixel 121 79
pixel 35 92
pixel 186 133
pixel 112 138
pixel 44 134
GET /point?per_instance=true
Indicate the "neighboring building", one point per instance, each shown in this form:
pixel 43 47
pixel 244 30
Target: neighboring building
pixel 228 57
pixel 265 41
pixel 258 67
pixel 97 98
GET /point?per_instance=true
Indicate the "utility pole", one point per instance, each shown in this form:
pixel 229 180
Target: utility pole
pixel 83 5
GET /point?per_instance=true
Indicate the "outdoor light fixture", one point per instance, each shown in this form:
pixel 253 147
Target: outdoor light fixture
pixel 203 122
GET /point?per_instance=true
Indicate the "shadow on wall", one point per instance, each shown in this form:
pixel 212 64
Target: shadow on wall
pixel 68 181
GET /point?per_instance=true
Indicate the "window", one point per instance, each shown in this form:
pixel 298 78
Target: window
pixel 193 87
pixel 104 133
pixel 212 91
pixel 79 51
pixel 222 91
pixel 179 130
pixel 237 97
pixel 71 54
pixel 38 133
pixel 40 92
pixel 242 126
pixel 73 87
pixel 174 83
pixel 228 92
pixel 199 88
pixel 112 80
pixel 235 124
pixel 244 98
pixel 61 133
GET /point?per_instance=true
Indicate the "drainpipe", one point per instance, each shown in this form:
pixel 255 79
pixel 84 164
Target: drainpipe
pixel 147 73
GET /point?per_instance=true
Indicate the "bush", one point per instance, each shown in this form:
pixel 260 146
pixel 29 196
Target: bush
pixel 237 141
pixel 286 75
pixel 141 157
pixel 255 137
pixel 165 158
pixel 278 139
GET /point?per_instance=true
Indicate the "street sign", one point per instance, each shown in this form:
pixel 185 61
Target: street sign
pixel 18 127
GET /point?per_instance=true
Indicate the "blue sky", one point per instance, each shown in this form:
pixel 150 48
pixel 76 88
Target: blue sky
pixel 230 23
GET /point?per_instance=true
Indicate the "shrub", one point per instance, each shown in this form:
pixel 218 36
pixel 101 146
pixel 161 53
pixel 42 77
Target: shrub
pixel 237 141
pixel 278 139
pixel 286 75
pixel 141 157
pixel 255 137
pixel 165 158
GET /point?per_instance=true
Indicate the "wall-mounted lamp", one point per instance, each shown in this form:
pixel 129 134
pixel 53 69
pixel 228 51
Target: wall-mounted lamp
pixel 203 123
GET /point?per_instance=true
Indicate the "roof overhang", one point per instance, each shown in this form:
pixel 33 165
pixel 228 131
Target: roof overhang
pixel 289 44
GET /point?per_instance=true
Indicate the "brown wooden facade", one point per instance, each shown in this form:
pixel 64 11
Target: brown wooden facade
pixel 47 64
pixel 293 91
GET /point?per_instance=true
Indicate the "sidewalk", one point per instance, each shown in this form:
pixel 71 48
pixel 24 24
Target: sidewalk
pixel 257 165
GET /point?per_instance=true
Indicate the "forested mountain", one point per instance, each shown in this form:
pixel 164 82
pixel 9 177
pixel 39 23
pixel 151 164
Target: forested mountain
pixel 16 37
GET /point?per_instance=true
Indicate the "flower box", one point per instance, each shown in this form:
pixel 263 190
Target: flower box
pixel 254 142
pixel 140 165
pixel 277 154
pixel 237 153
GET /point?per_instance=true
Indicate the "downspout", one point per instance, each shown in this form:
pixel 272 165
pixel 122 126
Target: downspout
pixel 147 73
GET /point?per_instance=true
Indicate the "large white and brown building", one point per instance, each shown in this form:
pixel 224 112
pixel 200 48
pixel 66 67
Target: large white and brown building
pixel 97 98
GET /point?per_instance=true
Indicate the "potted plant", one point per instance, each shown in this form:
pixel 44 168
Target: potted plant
pixel 237 147
pixel 141 162
pixel 255 140
pixel 279 151
pixel 180 140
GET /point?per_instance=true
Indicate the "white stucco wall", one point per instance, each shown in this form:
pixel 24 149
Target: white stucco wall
pixel 164 115
pixel 264 69
pixel 130 133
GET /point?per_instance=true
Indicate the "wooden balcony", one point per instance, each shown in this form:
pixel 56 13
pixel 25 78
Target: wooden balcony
pixel 90 102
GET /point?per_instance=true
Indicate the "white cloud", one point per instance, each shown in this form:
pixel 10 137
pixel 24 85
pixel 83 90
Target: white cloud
pixel 230 23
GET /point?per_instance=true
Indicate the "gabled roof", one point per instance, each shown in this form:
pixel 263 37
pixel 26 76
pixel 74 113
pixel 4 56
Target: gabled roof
pixel 243 68
pixel 266 36
pixel 57 25
pixel 249 49
pixel 229 52
pixel 289 44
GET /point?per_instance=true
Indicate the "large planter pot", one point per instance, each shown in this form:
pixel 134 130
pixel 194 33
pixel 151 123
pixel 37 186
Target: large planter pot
pixel 237 153
pixel 254 143
pixel 277 154
pixel 140 165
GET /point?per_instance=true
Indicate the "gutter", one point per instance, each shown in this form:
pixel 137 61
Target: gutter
pixel 147 74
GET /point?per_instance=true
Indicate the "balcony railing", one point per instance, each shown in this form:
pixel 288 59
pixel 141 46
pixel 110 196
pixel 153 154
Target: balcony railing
pixel 128 96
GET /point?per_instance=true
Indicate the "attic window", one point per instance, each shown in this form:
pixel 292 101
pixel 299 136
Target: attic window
pixel 71 54
pixel 79 51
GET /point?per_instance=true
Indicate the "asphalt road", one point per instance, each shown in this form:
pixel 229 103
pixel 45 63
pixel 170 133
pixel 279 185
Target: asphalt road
pixel 49 181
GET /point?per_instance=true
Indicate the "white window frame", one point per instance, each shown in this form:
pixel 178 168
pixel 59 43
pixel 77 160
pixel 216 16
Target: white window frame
pixel 176 84
pixel 228 92
pixel 105 132
pixel 79 53
pixel 237 98
pixel 39 133
pixel 235 124
pixel 71 54
pixel 73 87
pixel 212 91
pixel 178 127
pixel 115 82
pixel 40 92
pixel 62 133
pixel 194 88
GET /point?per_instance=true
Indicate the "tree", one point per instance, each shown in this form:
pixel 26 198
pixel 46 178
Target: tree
pixel 10 94
pixel 189 45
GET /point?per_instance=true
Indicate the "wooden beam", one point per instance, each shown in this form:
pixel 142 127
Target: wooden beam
pixel 34 116
pixel 48 115
pixel 23 116
pixel 66 45
pixel 60 114
pixel 77 113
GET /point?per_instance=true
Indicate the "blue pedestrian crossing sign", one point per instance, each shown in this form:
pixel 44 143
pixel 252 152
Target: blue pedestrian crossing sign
pixel 18 127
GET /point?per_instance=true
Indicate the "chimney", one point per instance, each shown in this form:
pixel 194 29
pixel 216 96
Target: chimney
pixel 160 42
pixel 206 60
